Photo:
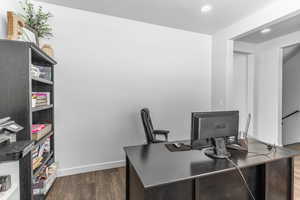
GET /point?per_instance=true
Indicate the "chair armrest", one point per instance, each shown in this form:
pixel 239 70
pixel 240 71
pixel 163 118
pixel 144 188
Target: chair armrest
pixel 161 132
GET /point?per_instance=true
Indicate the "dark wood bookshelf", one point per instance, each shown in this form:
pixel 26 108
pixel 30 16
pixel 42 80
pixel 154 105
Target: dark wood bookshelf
pixel 36 109
pixel 16 87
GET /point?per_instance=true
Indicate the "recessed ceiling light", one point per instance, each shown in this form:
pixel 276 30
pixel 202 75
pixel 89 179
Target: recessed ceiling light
pixel 265 31
pixel 206 8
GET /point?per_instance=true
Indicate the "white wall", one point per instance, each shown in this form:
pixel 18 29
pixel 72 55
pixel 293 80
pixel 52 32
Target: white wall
pixel 291 99
pixel 248 50
pixel 6 5
pixel 240 87
pixel 109 68
pixel 222 55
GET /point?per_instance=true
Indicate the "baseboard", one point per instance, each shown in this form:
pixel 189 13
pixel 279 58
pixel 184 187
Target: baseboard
pixel 296 141
pixel 90 168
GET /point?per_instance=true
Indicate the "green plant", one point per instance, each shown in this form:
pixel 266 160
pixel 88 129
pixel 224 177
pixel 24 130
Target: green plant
pixel 37 19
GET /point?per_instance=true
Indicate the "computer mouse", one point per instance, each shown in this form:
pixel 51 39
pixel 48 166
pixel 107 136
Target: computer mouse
pixel 177 145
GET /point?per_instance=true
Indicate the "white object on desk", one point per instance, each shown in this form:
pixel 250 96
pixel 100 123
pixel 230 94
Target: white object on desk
pixel 10 194
pixel 11 168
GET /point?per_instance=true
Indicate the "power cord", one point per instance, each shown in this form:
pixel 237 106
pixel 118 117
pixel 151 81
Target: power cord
pixel 243 178
pixel 260 154
pixel 270 148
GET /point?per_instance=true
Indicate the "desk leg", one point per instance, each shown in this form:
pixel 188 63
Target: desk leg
pixel 127 179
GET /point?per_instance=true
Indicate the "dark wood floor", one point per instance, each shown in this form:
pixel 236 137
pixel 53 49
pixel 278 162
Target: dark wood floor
pixel 100 185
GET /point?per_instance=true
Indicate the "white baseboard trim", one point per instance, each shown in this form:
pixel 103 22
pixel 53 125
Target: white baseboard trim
pixel 90 168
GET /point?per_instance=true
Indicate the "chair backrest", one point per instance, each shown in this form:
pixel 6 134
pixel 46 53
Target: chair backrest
pixel 147 123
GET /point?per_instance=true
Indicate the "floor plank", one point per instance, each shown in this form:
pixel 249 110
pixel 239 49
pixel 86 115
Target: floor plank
pixel 100 185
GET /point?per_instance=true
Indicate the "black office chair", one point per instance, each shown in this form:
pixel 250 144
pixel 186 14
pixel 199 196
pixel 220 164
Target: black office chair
pixel 148 127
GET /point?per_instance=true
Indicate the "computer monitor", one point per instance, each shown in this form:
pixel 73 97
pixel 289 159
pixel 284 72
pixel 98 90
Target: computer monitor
pixel 207 125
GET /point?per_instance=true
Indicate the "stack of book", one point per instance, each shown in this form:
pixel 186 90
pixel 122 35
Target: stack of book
pixel 40 130
pixel 39 153
pixel 40 99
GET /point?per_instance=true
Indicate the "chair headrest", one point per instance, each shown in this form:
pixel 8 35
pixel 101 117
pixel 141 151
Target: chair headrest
pixel 146 110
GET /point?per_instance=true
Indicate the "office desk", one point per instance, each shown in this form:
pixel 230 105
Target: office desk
pixel 155 173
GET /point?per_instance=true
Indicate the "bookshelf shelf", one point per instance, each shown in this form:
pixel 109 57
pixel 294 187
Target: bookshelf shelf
pixel 36 109
pixel 42 80
pixel 16 101
pixel 43 139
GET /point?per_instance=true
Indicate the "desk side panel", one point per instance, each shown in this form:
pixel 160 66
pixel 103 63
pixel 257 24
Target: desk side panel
pixel 279 179
pixel 134 187
pixel 183 190
pixel 229 185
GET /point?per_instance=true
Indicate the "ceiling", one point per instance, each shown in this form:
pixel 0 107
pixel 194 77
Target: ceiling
pixel 279 29
pixel 180 14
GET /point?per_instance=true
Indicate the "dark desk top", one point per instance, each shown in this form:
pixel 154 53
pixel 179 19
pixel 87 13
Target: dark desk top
pixel 156 165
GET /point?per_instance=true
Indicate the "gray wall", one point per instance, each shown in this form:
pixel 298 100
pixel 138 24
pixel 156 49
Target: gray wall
pixel 109 68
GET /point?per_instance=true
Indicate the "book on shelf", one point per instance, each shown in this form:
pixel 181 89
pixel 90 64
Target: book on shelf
pixel 40 99
pixel 40 153
pixel 40 130
pixel 36 163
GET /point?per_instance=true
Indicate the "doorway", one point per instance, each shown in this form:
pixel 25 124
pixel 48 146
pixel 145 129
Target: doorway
pixel 291 95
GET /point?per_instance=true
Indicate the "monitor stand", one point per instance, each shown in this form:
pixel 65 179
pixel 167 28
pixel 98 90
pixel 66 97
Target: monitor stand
pixel 211 153
pixel 219 150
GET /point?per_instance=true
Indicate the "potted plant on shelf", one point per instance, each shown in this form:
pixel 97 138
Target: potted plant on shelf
pixel 38 20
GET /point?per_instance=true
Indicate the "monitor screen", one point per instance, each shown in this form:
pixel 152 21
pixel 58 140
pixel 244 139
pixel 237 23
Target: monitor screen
pixel 207 125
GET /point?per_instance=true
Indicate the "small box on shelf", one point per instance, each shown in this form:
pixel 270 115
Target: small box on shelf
pixel 41 72
pixel 40 130
pixel 40 99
